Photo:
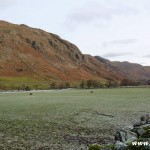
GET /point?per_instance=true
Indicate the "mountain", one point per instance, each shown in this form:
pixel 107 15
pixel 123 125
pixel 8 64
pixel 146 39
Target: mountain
pixel 126 69
pixel 34 53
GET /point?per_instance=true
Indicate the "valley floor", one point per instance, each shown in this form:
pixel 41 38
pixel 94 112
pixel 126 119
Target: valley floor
pixel 68 119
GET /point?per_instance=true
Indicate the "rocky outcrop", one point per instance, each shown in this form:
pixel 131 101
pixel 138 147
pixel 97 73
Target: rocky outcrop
pixel 46 55
pixel 30 52
pixel 136 137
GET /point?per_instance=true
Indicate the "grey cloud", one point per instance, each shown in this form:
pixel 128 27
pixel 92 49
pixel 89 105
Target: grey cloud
pixel 116 54
pixel 147 56
pixel 7 3
pixel 102 10
pixel 116 42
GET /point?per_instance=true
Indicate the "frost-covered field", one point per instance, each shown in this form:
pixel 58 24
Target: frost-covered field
pixel 69 119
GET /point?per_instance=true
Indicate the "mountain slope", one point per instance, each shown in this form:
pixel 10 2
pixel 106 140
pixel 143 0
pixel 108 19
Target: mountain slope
pixel 128 70
pixel 33 52
pixel 26 51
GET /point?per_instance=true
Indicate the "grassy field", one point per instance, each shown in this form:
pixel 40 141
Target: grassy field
pixel 68 119
pixel 14 83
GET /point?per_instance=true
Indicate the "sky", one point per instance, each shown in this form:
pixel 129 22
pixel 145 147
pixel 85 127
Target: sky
pixel 118 30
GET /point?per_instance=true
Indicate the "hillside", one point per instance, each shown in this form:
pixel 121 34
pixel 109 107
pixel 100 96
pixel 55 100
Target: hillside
pixel 126 69
pixel 34 53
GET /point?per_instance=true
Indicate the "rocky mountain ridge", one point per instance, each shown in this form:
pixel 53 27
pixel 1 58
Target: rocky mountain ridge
pixel 26 51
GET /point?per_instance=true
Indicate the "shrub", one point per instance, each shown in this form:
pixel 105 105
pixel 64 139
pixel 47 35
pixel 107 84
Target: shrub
pixel 95 147
pixel 27 88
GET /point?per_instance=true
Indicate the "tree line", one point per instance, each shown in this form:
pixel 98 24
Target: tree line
pixel 83 84
pixel 88 84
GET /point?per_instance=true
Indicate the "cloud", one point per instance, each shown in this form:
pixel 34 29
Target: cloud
pixel 95 10
pixel 119 42
pixel 147 56
pixel 7 3
pixel 116 54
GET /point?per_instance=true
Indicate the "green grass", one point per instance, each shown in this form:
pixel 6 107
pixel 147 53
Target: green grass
pixel 69 119
pixel 14 83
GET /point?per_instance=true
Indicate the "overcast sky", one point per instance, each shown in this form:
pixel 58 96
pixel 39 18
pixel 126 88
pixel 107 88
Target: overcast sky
pixel 118 30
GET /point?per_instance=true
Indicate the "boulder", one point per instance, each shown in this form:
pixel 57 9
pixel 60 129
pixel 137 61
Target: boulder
pixel 120 146
pixel 140 132
pixel 125 135
pixel 145 118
